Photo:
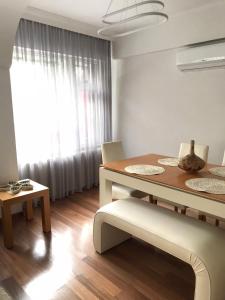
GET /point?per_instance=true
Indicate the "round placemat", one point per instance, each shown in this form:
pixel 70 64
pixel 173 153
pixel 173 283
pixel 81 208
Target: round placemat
pixel 145 169
pixel 169 161
pixel 208 185
pixel 218 171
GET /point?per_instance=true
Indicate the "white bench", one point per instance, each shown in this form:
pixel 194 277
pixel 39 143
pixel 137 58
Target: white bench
pixel 197 243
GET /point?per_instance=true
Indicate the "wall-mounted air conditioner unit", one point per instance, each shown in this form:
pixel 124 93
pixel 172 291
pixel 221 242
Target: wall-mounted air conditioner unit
pixel 201 56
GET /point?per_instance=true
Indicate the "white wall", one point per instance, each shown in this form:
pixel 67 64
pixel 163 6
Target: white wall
pixel 160 106
pixel 194 26
pixel 59 21
pixel 10 12
pixel 115 65
pixel 8 162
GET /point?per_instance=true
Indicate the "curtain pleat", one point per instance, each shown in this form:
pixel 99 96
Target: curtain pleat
pixel 61 88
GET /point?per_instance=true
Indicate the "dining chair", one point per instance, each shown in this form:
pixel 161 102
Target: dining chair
pixel 112 151
pixel 201 151
pixel 202 216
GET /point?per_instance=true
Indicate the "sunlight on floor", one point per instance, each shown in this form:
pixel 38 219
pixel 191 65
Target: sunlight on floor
pixel 60 271
pixel 85 234
pixel 40 249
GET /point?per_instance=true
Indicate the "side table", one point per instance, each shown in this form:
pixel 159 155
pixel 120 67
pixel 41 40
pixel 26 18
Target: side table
pixel 7 200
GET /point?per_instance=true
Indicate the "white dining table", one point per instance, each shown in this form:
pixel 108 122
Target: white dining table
pixel 169 185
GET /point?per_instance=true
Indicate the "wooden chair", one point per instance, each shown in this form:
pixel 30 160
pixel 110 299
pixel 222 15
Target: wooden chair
pixel 114 151
pixel 201 151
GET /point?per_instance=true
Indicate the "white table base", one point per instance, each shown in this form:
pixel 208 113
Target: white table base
pixel 178 196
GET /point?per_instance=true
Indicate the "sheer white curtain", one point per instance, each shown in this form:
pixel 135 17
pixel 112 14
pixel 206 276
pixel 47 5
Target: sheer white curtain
pixel 61 88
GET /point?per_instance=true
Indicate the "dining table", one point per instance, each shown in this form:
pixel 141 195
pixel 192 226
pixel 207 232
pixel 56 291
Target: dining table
pixel 169 185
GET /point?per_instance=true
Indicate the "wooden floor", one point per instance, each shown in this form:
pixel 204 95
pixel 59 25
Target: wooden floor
pixel 64 265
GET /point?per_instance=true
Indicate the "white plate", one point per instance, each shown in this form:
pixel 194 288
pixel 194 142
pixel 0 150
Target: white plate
pixel 169 161
pixel 208 185
pixel 219 171
pixel 144 169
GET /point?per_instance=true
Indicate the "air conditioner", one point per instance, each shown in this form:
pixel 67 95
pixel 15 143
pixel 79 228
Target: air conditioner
pixel 201 56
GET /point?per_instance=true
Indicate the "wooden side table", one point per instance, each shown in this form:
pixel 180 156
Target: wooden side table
pixel 6 200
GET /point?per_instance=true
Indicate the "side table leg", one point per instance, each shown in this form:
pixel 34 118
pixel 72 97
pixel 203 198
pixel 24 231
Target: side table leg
pixel 29 212
pixel 46 212
pixel 7 226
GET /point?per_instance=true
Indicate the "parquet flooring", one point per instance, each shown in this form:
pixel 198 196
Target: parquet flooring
pixel 65 266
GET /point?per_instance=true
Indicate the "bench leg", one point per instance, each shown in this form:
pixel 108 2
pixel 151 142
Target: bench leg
pixel 202 280
pixel 107 236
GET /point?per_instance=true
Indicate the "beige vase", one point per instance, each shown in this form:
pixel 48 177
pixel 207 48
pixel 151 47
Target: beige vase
pixel 191 162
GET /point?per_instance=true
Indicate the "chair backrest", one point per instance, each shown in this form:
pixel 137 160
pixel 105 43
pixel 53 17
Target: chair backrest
pixel 200 150
pixel 112 151
pixel 223 163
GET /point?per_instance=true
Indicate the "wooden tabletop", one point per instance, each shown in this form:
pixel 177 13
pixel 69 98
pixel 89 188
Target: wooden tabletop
pixel 173 177
pixel 37 188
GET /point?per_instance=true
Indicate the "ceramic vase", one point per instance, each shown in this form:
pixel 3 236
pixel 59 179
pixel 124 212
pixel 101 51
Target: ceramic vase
pixel 191 162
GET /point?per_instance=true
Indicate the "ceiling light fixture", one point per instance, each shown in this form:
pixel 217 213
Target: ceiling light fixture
pixel 131 17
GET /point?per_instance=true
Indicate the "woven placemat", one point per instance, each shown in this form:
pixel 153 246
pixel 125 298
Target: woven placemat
pixel 208 185
pixel 145 169
pixel 218 171
pixel 169 161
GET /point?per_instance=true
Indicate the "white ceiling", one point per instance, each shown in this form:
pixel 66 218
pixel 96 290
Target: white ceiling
pixel 91 11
